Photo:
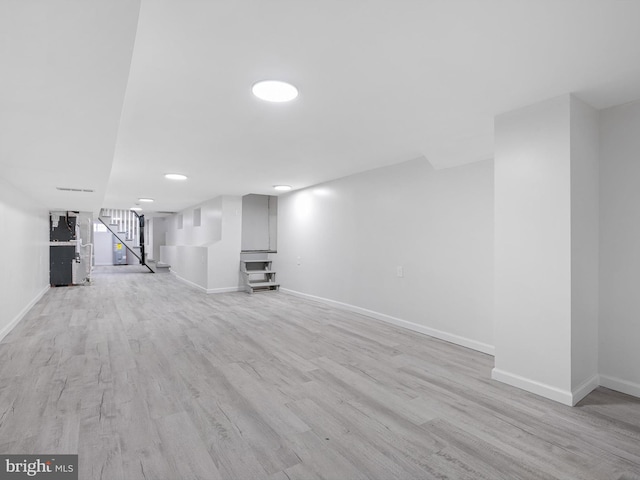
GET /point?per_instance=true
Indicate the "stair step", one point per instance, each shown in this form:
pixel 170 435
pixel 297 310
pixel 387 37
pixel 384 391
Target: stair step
pixel 259 267
pixel 158 264
pixel 263 287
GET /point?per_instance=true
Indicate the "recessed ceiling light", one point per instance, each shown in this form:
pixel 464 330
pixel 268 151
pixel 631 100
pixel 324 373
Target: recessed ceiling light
pixel 175 176
pixel 282 188
pixel 135 208
pixel 148 200
pixel 274 91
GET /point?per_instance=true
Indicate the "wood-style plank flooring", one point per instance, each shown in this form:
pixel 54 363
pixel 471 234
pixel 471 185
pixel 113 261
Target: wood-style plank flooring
pixel 147 378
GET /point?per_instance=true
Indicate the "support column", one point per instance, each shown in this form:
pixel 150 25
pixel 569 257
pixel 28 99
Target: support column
pixel 546 248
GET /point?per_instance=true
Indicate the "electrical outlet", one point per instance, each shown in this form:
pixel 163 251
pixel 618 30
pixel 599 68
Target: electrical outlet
pixel 399 271
pixel 298 261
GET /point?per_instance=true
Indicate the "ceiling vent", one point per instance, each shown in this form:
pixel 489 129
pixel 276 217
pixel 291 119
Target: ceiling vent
pixel 66 189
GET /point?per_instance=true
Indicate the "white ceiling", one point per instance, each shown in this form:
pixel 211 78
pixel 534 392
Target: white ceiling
pixel 63 74
pixel 380 82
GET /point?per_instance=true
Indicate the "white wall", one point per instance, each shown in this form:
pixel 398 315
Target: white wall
pixel 255 222
pixel 209 231
pixel 24 241
pixel 584 244
pixel 131 258
pixel 190 263
pixel 546 248
pixel 224 256
pixel 273 223
pixel 103 247
pixel 533 248
pixel 620 248
pixel 344 241
pixel 207 256
pixel 156 236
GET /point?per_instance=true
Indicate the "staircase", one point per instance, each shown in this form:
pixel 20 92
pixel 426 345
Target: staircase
pixel 157 266
pixel 128 228
pixel 259 277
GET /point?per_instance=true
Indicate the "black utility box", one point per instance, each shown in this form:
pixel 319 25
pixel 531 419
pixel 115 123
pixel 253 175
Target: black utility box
pixel 61 258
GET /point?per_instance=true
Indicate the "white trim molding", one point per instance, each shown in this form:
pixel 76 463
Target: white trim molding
pixel 206 290
pixel 553 393
pixel 564 396
pixel 432 332
pixel 188 282
pixel 11 325
pixel 585 389
pixel 225 290
pixel 620 385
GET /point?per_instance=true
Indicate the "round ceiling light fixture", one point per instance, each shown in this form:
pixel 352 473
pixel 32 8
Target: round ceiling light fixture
pixel 274 91
pixel 146 200
pixel 175 176
pixel 282 188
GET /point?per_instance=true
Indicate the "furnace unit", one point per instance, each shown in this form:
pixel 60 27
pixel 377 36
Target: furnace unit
pixel 69 259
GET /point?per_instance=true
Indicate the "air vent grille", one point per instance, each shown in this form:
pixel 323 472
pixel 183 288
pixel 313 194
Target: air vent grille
pixel 68 189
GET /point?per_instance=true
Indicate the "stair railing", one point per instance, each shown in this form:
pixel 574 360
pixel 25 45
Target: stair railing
pixel 132 225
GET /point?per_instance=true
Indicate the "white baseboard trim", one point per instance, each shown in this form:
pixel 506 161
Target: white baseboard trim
pixel 585 389
pixel 620 385
pixel 566 397
pixel 5 331
pixel 188 282
pixel 563 396
pixel 206 290
pixel 432 332
pixel 225 290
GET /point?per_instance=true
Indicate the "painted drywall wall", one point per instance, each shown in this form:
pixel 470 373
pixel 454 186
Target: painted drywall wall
pixel 186 244
pixel 619 327
pixel 273 223
pixel 585 152
pixel 24 240
pixel 180 229
pixel 131 258
pixel 207 256
pixel 224 255
pixel 407 242
pixel 533 248
pixel 259 222
pixel 546 248
pixel 156 236
pixel 255 222
pixel 189 263
pixel 103 246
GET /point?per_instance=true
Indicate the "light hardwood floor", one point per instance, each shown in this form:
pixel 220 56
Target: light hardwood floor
pixel 147 378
